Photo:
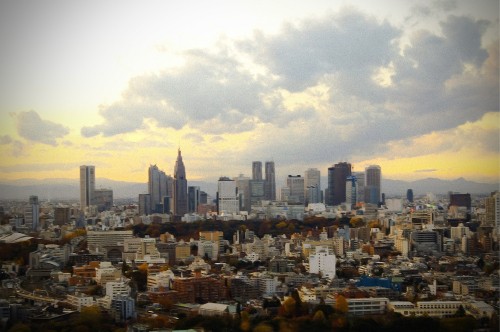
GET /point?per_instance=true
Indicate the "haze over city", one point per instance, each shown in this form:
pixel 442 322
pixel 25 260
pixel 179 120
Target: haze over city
pixel 410 86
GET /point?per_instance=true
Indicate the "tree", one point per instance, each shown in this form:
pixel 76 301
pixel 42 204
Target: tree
pixel 341 304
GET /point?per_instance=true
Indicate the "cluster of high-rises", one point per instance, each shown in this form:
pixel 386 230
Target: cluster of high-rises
pixel 345 186
pixel 172 195
pixel 90 197
pixel 167 194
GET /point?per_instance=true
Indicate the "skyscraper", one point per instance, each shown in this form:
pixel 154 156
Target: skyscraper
pixel 244 193
pixel 32 214
pixel 373 176
pixel 256 170
pixel 227 196
pixel 312 185
pixel 193 198
pixel 351 191
pixel 87 186
pixel 180 187
pixel 295 184
pixel 159 186
pixel 270 181
pixel 337 178
pixel 409 195
pixel 360 186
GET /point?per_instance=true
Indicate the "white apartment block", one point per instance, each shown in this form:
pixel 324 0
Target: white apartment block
pixel 364 306
pixel 96 240
pixel 322 261
pixel 80 300
pixel 115 288
pixel 436 309
pixel 268 286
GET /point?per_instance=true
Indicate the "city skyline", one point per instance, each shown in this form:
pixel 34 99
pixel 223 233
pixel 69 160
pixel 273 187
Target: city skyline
pixel 412 87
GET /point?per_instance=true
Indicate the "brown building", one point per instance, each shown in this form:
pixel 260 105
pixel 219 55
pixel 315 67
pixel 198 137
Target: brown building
pixel 200 289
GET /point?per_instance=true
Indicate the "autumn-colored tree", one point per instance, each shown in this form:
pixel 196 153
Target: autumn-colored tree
pixel 319 317
pixel 263 327
pixel 245 321
pixel 356 222
pixel 341 304
pixel 165 302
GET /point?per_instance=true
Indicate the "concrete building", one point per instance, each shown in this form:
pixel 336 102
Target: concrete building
pixel 227 196
pixel 145 207
pixel 193 198
pixel 322 261
pixel 103 199
pixel 337 177
pixel 373 179
pixel 312 185
pixel 97 240
pixel 87 186
pixel 180 195
pixel 32 214
pixel 270 185
pixel 295 183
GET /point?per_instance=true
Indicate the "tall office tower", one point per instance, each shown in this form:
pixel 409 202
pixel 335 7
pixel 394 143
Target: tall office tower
pixel 351 191
pixel 144 204
pixel 180 187
pixel 492 209
pixel 409 195
pixel 256 170
pixel 373 176
pixel 103 199
pixel 295 184
pixel 270 181
pixel 312 185
pixel 87 186
pixel 360 185
pixel 227 196
pixel 337 178
pixel 159 186
pixel 32 214
pixel 244 196
pixel 193 198
pixel 154 186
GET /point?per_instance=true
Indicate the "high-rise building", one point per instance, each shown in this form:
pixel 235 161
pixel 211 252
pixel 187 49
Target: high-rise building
pixel 103 198
pixel 295 184
pixel 227 196
pixel 492 209
pixel 351 191
pixel 270 186
pixel 180 187
pixel 360 185
pixel 32 214
pixel 160 185
pixel 244 196
pixel 409 195
pixel 87 186
pixel 256 170
pixel 373 176
pixel 337 178
pixel 61 215
pixel 144 204
pixel 193 198
pixel 312 185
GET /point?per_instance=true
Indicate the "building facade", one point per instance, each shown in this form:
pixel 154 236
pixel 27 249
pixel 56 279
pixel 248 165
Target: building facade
pixel 87 186
pixel 373 175
pixel 180 194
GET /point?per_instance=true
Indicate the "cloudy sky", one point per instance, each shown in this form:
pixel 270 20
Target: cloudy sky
pixel 412 86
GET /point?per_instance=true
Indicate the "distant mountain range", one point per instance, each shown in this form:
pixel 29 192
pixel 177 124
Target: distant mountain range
pixel 69 188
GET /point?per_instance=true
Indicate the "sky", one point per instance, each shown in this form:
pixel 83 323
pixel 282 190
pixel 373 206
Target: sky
pixel 412 86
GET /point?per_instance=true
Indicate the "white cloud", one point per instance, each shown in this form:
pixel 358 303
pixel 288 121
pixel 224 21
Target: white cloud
pixel 33 128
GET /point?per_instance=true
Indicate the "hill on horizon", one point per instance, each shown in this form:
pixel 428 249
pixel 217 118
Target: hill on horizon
pixel 69 188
